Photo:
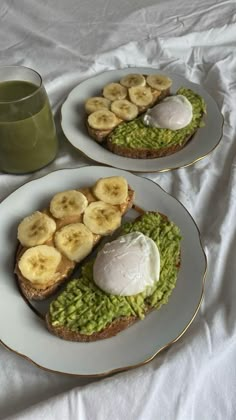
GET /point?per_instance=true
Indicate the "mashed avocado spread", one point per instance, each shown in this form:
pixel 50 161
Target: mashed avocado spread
pixel 85 308
pixel 135 134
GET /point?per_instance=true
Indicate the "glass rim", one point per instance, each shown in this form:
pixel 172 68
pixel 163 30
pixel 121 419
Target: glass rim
pixel 27 96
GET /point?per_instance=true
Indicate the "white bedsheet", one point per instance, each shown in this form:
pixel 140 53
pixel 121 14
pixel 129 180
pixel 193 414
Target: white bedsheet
pixel 68 41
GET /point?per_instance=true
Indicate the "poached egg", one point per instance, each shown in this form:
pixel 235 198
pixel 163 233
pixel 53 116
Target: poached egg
pixel 127 265
pixel 174 112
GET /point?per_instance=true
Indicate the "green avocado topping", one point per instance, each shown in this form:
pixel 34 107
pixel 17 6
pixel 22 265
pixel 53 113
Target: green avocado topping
pixel 85 308
pixel 135 134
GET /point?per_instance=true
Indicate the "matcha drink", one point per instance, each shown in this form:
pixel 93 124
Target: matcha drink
pixel 27 131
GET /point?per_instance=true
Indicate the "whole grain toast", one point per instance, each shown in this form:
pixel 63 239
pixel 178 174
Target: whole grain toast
pixel 111 330
pixel 155 145
pixel 154 301
pixel 100 136
pixel 147 153
pixel 66 267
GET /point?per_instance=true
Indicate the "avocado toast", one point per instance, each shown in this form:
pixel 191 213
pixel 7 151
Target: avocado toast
pixel 83 312
pixel 136 140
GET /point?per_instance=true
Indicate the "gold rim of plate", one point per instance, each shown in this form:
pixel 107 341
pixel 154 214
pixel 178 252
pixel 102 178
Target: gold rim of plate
pixel 144 171
pixel 144 362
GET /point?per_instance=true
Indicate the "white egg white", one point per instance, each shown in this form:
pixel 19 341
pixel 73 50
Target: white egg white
pixel 127 265
pixel 174 112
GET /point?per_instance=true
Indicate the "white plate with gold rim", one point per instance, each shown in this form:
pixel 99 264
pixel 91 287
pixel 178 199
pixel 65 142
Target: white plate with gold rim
pixel 23 332
pixel 73 119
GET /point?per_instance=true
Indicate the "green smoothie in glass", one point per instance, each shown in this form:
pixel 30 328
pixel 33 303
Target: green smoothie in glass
pixel 27 131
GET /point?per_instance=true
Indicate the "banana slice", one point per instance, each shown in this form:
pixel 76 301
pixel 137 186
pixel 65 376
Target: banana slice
pixel 102 218
pixel 96 103
pixel 102 120
pixel 140 95
pixel 39 264
pixel 68 203
pixel 75 241
pixel 111 190
pixel 124 109
pixel 36 229
pixel 114 91
pixel 133 79
pixel 159 82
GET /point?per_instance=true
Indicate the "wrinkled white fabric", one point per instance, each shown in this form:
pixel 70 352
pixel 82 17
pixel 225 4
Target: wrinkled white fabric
pixel 67 42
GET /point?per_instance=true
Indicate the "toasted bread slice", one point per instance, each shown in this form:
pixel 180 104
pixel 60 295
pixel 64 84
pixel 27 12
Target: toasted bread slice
pixel 66 266
pixel 155 142
pixel 101 135
pixel 145 152
pixel 111 330
pixel 66 320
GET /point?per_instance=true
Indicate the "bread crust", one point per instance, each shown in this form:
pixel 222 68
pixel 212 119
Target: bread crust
pixel 100 135
pixel 31 292
pixel 111 330
pixel 27 288
pixel 145 153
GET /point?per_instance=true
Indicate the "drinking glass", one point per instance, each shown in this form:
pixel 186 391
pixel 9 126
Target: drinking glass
pixel 28 138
